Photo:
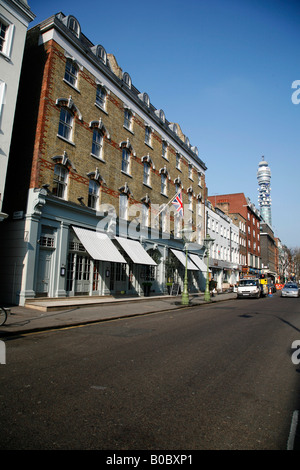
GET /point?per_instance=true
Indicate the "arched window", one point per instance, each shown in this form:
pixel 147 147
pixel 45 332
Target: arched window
pixel 100 53
pixel 145 98
pixel 173 128
pixel 161 115
pixel 127 79
pixel 73 25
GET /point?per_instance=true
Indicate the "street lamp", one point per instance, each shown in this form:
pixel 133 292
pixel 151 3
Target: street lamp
pixel 208 241
pixel 185 292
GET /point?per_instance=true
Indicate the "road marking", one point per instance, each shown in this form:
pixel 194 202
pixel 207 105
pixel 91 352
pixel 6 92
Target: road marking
pixel 291 439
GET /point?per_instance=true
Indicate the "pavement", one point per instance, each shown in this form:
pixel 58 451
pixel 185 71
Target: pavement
pixel 47 314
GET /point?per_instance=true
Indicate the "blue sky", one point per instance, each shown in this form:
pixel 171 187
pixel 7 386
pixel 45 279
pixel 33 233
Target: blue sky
pixel 222 69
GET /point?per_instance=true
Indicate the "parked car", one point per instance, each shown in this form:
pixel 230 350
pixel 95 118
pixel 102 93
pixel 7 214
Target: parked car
pixel 290 290
pixel 249 287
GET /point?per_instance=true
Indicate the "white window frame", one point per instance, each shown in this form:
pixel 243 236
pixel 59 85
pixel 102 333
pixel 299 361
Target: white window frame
pixel 128 119
pixel 163 184
pixel 145 215
pixel 93 196
pixel 101 95
pixel 2 98
pixel 164 150
pixel 60 179
pixel 123 206
pixel 71 73
pixel 125 161
pixel 66 127
pixel 8 38
pixel 97 144
pixel 146 174
pixel 148 135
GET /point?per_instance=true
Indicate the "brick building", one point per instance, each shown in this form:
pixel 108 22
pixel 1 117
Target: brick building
pixel 269 251
pixel 92 170
pixel 249 218
pixel 224 252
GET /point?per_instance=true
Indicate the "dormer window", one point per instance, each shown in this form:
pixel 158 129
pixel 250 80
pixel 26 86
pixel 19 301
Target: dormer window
pixel 73 25
pixel 161 115
pixel 145 98
pixel 173 128
pixel 195 150
pixel 126 79
pixel 100 53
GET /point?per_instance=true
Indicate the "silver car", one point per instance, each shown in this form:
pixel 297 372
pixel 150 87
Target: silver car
pixel 290 290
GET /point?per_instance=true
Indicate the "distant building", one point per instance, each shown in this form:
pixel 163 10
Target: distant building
pixel 224 252
pixel 264 188
pixel 238 203
pixel 15 16
pixel 269 251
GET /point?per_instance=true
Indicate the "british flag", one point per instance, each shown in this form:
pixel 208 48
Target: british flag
pixel 178 203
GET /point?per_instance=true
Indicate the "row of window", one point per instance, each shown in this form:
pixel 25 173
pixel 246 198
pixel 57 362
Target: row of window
pixel 59 189
pixel 71 77
pixel 253 220
pixel 65 130
pixel 60 181
pixel 254 233
pixel 224 253
pixel 214 225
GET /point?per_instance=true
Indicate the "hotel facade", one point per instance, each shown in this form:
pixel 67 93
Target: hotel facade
pixel 93 169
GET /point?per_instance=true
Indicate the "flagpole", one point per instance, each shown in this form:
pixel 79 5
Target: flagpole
pixel 166 205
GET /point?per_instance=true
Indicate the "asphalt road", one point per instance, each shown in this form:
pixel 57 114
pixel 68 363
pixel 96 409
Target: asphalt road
pixel 211 377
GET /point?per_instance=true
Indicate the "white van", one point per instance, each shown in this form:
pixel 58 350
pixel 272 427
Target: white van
pixel 249 288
